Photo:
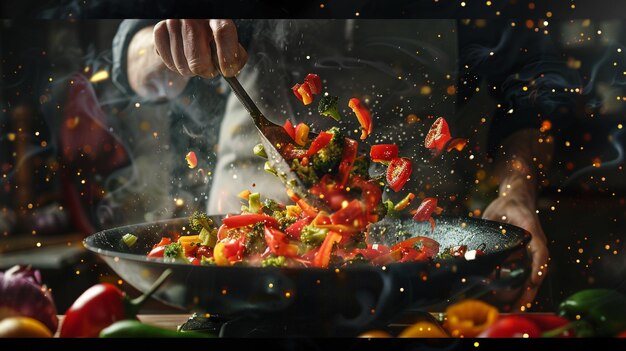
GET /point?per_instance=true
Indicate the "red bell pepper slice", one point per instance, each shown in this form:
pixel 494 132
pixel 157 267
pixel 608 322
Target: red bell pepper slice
pixel 157 252
pixel 291 152
pixel 194 261
pixel 372 251
pixel 278 243
pixel 398 173
pixel 353 215
pixel 314 82
pixel 290 129
pixel 319 143
pixel 322 258
pixel 426 209
pixel 438 135
pixel 164 241
pixel 308 210
pixel 234 248
pixel 371 194
pixel 410 254
pixel 362 115
pixel 247 219
pixel 329 191
pixel 204 251
pixel 295 229
pixel 305 93
pixel 456 143
pixel 383 152
pixel 347 160
pixel 302 134
pixel 427 245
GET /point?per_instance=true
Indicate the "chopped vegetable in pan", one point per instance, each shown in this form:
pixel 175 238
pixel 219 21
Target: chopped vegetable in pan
pixel 270 234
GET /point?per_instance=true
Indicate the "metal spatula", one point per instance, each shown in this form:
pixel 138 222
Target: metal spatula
pixel 275 140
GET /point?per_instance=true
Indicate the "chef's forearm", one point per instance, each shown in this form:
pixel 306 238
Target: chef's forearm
pixel 521 162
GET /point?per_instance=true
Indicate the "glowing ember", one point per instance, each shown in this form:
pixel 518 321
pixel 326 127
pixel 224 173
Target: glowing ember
pixel 99 76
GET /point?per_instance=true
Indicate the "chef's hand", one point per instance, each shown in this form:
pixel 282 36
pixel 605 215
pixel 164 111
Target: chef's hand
pixel 517 211
pixel 185 46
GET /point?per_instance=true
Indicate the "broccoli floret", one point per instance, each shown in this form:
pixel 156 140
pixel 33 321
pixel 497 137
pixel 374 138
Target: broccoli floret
pixel 274 261
pixel 306 174
pixel 174 252
pixel 312 235
pixel 270 205
pixel 328 107
pixel 255 239
pixel 361 166
pixel 327 159
pixel 284 219
pixel 201 222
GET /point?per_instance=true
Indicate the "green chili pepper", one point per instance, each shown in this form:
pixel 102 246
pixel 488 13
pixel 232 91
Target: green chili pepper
pixel 596 312
pixel 136 329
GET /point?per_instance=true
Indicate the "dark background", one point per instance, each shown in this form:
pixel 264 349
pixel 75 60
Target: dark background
pixel 584 217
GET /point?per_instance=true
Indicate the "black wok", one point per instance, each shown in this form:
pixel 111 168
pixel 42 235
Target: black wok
pixel 335 301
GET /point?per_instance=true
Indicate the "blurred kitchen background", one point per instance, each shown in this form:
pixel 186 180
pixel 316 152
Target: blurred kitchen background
pixel 51 186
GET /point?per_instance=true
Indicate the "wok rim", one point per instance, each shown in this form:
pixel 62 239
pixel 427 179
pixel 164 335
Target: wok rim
pixel 525 239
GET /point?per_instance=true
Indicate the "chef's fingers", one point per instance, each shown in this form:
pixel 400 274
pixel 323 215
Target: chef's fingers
pixel 162 45
pixel 196 47
pixel 538 250
pixel 526 299
pixel 227 44
pixel 174 28
pixel 539 255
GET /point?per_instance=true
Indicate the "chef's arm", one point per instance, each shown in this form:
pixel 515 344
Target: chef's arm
pixel 520 163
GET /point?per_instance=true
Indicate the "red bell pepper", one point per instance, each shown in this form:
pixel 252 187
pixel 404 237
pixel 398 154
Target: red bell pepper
pixel 353 215
pixel 322 258
pixel 371 193
pixel 427 245
pixel 303 93
pixel 438 135
pixel 247 219
pixel 102 305
pixel 347 160
pixel 398 173
pixel 290 129
pixel 372 251
pixel 314 82
pixel 363 116
pixel 159 248
pixel 157 252
pixel 302 134
pixel 232 249
pixel 319 143
pixel 425 210
pixel 383 152
pixel 512 326
pixel 295 229
pixel 278 243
